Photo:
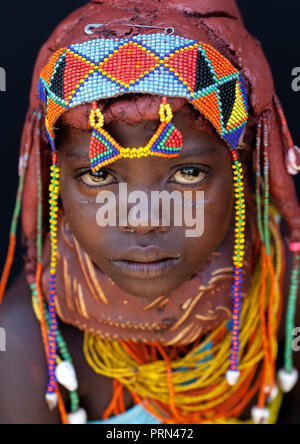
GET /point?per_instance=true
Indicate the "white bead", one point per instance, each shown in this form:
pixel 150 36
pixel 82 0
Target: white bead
pixel 232 377
pixel 66 376
pixel 288 380
pixel 293 166
pixel 260 416
pixel 52 400
pixel 78 417
pixel 274 393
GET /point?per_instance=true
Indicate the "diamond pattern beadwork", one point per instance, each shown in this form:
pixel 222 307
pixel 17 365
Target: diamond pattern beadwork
pixel 167 141
pixel 169 66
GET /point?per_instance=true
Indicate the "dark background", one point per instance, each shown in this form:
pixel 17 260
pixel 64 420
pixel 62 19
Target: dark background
pixel 24 27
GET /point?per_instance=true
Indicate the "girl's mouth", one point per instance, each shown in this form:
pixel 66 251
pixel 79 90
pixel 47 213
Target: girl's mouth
pixel 146 270
pixel 146 263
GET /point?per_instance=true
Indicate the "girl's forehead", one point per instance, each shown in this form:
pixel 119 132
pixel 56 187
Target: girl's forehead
pixel 132 109
pixel 197 133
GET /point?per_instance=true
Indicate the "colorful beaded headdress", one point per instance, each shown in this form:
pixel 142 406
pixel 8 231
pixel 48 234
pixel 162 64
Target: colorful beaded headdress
pixel 160 64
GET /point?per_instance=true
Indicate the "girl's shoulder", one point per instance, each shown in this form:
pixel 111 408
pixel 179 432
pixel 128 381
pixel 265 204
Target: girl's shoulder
pixel 23 370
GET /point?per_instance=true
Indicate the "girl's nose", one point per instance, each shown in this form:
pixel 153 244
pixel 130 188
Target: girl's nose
pixel 142 228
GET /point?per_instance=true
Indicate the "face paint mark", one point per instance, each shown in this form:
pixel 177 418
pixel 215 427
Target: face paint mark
pixel 188 312
pixel 157 301
pixel 186 305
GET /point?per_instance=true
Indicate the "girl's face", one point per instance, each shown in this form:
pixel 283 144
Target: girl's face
pixel 147 260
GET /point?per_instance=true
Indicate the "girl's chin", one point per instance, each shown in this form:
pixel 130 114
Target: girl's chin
pixel 150 288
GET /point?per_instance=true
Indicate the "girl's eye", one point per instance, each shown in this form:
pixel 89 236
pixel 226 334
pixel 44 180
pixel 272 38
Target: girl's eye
pixel 189 176
pixel 101 177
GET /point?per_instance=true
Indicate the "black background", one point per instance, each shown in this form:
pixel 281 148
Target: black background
pixel 24 27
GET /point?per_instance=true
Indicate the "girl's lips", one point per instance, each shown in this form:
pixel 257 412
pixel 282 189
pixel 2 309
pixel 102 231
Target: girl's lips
pixel 146 270
pixel 144 255
pixel 146 263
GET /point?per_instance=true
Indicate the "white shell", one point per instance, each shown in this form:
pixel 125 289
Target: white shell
pixel 66 376
pixel 291 160
pixel 52 400
pixel 274 393
pixel 78 417
pixel 232 377
pixel 287 381
pixel 260 416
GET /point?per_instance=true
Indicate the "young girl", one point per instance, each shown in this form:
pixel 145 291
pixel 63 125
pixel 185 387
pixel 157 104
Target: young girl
pixel 154 326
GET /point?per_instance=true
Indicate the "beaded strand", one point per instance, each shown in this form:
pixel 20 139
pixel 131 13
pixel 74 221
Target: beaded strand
pixel 262 210
pixel 258 181
pixel 35 287
pixel 62 345
pixel 17 211
pixel 292 303
pixel 238 259
pixel 52 338
pixel 266 183
pixel 289 375
pixel 266 125
pixel 270 283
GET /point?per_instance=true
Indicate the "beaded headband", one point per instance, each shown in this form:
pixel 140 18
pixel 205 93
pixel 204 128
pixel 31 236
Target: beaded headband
pixel 159 64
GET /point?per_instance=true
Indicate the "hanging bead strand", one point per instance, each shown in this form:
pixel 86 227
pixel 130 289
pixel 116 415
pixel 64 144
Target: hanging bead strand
pixel 266 184
pixel 289 375
pixel 51 396
pixel 239 252
pixel 17 210
pixel 261 413
pixel 258 181
pixel 272 280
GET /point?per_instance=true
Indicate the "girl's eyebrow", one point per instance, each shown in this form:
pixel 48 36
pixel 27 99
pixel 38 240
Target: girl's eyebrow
pixel 199 151
pixel 75 155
